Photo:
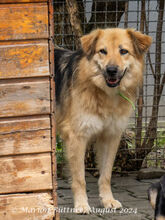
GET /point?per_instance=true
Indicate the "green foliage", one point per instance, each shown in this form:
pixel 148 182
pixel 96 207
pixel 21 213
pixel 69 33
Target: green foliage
pixel 160 142
pixel 156 157
pixel 59 150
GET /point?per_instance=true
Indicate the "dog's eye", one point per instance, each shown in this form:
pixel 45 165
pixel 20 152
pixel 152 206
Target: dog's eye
pixel 123 51
pixel 103 51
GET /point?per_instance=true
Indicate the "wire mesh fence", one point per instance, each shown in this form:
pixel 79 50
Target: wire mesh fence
pixel 143 143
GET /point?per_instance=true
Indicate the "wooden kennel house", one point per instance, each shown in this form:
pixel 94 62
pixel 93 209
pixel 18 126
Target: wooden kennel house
pixel 27 129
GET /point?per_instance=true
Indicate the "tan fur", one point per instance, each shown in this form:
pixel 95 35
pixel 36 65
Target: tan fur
pixel 160 218
pixel 95 111
pixel 153 196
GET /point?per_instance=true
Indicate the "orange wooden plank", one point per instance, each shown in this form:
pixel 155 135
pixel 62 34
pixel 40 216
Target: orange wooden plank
pixel 20 1
pixel 31 206
pixel 27 97
pixel 25 135
pixel 25 173
pixel 23 21
pixel 24 59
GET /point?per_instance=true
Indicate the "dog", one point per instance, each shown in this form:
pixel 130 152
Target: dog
pixel 156 196
pixel 88 105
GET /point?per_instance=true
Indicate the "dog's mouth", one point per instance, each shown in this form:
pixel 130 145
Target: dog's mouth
pixel 114 81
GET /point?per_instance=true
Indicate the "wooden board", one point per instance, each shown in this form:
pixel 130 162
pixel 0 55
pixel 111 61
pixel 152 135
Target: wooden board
pixel 30 97
pixel 23 21
pixel 18 1
pixel 22 136
pixel 36 206
pixel 24 59
pixel 25 173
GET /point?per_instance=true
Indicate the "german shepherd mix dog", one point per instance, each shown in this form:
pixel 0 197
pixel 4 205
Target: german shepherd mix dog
pixel 156 195
pixel 89 106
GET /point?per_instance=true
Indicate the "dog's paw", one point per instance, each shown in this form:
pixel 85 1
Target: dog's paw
pixel 82 209
pixel 111 203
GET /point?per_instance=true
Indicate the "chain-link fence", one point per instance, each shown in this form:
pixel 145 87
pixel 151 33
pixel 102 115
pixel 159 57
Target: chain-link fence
pixel 143 142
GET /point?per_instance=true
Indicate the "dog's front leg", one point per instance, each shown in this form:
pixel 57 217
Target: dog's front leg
pixel 75 153
pixel 106 150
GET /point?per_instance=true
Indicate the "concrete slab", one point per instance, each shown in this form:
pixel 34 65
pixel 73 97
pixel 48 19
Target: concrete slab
pixel 150 173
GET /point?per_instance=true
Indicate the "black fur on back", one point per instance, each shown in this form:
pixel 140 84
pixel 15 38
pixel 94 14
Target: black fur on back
pixel 160 204
pixel 66 62
pixel 158 187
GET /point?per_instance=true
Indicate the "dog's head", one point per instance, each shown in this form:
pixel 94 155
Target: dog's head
pixel 156 195
pixel 116 54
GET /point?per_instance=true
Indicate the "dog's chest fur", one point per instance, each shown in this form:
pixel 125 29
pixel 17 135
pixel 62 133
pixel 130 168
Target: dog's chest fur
pixel 94 118
pixel 91 125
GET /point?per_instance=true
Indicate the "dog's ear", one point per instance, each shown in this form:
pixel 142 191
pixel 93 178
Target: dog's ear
pixel 88 42
pixel 141 42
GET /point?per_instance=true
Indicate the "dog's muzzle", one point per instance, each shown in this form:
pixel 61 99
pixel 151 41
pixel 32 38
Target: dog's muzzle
pixel 112 76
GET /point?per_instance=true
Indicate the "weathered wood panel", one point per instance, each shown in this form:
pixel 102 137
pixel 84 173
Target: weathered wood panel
pixel 24 98
pixel 24 124
pixel 25 173
pixel 36 206
pixel 23 21
pixel 24 59
pixel 21 1
pixel 21 136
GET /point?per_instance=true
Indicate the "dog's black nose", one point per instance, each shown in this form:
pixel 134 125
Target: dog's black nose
pixel 112 70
